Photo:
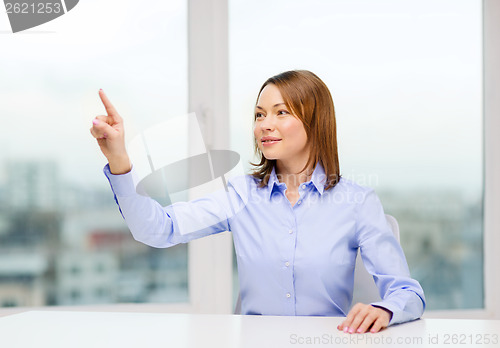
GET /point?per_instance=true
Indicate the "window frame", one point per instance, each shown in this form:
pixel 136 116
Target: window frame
pixel 491 89
pixel 491 166
pixel 211 282
pixel 210 258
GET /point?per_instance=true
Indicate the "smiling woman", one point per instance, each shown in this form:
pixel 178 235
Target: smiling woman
pixel 409 112
pixel 295 256
pixel 280 136
pixel 299 106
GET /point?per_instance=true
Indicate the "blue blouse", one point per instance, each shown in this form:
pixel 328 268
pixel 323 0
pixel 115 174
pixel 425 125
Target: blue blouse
pixel 292 260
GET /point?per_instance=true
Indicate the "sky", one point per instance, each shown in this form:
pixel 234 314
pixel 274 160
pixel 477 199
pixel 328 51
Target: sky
pixel 405 77
pixel 52 73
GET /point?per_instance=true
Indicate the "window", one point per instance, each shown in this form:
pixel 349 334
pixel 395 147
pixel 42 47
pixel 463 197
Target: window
pixel 9 303
pixel 381 59
pixel 408 100
pixel 58 217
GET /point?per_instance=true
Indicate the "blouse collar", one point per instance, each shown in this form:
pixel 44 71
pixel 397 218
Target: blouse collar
pixel 318 180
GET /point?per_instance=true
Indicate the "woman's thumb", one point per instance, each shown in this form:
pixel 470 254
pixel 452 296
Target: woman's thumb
pixel 101 129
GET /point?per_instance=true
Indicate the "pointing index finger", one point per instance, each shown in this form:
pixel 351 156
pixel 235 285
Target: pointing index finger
pixel 110 109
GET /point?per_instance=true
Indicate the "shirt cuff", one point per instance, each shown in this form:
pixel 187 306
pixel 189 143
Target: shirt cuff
pixel 388 306
pixel 122 184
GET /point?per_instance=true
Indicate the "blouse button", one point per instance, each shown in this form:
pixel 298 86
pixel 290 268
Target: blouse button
pixel 299 202
pixel 303 186
pixel 287 263
pixel 288 295
pixel 290 231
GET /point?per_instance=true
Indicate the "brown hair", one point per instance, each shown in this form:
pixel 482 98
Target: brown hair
pixel 309 99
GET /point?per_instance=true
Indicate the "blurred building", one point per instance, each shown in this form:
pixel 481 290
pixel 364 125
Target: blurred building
pixel 66 245
pixel 22 279
pixel 86 277
pixel 32 185
pixel 441 234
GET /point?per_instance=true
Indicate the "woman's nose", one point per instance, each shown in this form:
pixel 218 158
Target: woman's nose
pixel 267 123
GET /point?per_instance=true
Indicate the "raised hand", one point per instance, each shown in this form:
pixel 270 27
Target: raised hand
pixel 109 132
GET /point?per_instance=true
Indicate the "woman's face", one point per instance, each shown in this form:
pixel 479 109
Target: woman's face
pixel 279 134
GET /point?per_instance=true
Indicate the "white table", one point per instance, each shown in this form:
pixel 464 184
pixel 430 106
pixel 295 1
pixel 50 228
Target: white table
pixel 100 329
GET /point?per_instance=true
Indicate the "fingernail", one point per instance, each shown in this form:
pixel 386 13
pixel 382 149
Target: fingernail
pixel 345 329
pixel 372 330
pixel 351 330
pixel 359 330
pixel 95 121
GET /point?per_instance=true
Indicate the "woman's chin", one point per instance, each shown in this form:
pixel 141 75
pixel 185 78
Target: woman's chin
pixel 269 156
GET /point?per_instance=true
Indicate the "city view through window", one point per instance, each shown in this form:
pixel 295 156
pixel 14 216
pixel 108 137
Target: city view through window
pixel 62 238
pixel 408 102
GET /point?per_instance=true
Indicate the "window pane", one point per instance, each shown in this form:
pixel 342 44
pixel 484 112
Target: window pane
pixel 406 82
pixel 62 238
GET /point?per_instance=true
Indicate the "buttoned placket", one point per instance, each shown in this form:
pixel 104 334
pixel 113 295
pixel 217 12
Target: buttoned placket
pixel 289 251
pixel 287 248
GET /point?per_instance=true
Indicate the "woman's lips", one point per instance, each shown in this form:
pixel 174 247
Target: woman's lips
pixel 270 142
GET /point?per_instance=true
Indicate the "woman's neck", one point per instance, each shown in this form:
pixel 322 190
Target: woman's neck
pixel 292 174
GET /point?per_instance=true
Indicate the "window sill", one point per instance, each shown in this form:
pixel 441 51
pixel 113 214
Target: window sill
pixel 119 307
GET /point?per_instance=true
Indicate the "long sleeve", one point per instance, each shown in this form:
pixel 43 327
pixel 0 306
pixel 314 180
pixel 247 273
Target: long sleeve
pixel 385 260
pixel 162 227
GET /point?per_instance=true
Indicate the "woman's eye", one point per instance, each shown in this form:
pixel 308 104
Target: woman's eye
pixel 258 115
pixel 283 112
